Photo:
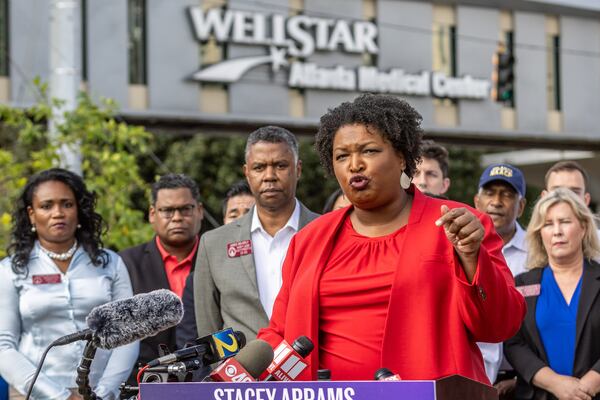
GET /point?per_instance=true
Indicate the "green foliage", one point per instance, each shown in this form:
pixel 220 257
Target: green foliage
pixel 464 174
pixel 213 162
pixel 109 152
pixel 315 184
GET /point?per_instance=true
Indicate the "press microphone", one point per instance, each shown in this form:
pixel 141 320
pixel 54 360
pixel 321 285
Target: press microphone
pixel 124 321
pixel 384 374
pixel 210 348
pixel 288 360
pixel 177 367
pixel 246 366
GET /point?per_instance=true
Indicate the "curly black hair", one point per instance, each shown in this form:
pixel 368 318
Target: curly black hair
pixel 88 235
pixel 394 119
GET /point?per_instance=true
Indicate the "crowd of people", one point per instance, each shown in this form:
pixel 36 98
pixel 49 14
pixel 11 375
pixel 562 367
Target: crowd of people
pixel 440 287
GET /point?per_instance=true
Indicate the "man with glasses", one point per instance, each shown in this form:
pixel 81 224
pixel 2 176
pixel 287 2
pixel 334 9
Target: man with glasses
pixel 166 261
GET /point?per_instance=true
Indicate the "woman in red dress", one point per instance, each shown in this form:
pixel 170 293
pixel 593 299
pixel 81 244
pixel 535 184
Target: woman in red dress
pixel 398 279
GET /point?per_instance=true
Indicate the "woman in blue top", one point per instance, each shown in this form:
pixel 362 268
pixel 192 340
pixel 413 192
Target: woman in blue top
pixel 557 351
pixel 56 273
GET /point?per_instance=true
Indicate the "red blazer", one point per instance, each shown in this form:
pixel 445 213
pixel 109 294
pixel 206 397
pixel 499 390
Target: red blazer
pixel 434 316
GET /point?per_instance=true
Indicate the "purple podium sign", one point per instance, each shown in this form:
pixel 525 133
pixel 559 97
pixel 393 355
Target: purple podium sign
pixel 355 390
pixel 455 387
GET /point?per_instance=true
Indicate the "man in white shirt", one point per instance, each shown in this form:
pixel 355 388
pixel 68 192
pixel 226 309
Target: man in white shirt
pixel 238 269
pixel 501 195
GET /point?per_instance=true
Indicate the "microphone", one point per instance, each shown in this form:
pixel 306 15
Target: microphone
pixel 287 363
pixel 246 366
pixel 211 348
pixel 124 321
pixel 177 367
pixel 384 374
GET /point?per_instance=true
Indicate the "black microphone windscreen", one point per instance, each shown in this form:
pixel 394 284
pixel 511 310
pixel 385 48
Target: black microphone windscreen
pixel 255 357
pixel 240 338
pixel 383 373
pixel 303 346
pixel 124 321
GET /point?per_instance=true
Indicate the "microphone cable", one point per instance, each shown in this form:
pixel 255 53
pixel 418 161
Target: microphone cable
pixel 39 367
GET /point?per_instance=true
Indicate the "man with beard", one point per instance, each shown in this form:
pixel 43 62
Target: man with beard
pixel 238 268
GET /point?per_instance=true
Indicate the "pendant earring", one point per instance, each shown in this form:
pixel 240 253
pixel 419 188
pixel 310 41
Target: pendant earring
pixel 78 226
pixel 405 181
pixel 33 228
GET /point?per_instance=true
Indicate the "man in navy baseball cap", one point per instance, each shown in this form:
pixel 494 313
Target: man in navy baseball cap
pixel 501 195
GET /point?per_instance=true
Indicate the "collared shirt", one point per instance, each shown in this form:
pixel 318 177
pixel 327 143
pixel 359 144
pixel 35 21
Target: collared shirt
pixel 47 304
pixel 177 271
pixel 269 253
pixel 515 253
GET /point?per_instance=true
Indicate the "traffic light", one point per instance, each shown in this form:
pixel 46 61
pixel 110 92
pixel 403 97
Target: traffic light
pixel 503 77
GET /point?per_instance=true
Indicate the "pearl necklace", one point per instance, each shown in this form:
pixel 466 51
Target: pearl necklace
pixel 60 256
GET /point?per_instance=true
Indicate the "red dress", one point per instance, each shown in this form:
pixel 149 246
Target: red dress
pixel 354 293
pixel 434 315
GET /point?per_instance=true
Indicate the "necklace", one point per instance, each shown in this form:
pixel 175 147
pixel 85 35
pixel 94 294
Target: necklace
pixel 60 256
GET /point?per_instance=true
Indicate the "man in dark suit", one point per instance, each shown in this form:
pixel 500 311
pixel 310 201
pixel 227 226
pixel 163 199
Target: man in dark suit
pixel 166 261
pixel 238 202
pixel 238 268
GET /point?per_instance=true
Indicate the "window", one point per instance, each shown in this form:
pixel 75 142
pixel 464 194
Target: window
pixel 444 60
pixel 136 13
pixel 4 55
pixel 84 69
pixel 553 68
pixel 444 49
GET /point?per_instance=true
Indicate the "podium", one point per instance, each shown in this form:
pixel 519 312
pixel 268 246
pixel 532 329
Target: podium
pixel 454 387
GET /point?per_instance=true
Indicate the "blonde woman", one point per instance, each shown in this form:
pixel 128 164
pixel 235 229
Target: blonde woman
pixel 556 353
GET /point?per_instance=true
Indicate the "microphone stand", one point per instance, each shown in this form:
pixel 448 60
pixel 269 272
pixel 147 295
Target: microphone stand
pixel 83 372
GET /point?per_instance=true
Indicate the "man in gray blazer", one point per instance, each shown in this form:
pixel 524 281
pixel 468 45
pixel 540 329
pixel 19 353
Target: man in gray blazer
pixel 238 266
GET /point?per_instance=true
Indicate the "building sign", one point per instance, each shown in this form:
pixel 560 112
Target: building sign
pixel 302 36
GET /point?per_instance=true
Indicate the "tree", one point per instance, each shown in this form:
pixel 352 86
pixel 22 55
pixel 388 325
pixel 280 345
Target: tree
pixel 109 149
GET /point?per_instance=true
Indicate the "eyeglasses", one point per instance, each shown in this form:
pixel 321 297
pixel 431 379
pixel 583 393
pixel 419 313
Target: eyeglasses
pixel 169 212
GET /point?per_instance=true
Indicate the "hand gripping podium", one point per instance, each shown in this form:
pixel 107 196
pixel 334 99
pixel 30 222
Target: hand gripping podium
pixel 454 387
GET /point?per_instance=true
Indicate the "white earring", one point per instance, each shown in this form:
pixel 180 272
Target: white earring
pixel 33 228
pixel 405 181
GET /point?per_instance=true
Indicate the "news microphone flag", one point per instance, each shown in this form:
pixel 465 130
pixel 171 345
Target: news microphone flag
pixel 287 363
pixel 246 366
pixel 227 343
pixel 231 371
pixel 210 348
